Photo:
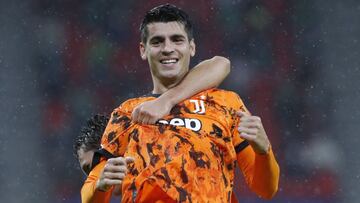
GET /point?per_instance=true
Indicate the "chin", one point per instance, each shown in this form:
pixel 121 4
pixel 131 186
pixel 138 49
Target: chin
pixel 170 77
pixel 171 74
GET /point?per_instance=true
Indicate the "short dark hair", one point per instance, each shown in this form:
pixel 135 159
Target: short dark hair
pixel 90 134
pixel 166 13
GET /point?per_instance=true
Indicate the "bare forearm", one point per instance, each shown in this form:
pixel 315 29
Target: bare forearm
pixel 207 74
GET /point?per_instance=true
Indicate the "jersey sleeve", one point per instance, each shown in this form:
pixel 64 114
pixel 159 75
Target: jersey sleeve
pixel 235 105
pixel 116 136
pixel 120 128
pixel 261 171
pixel 113 144
pixel 89 193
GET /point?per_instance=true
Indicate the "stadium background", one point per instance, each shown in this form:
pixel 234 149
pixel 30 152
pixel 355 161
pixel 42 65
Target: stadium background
pixel 295 63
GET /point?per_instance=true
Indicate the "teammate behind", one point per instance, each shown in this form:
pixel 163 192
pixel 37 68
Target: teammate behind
pixel 87 144
pixel 88 141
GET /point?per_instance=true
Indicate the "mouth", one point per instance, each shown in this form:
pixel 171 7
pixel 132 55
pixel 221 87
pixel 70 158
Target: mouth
pixel 169 61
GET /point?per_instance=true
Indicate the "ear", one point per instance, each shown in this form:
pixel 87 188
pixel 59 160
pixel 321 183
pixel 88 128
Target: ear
pixel 192 47
pixel 142 49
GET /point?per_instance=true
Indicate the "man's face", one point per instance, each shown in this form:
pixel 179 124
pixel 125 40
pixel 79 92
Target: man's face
pixel 85 159
pixel 168 50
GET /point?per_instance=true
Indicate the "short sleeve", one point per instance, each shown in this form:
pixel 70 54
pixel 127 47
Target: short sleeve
pixel 116 135
pixel 235 105
pixel 120 128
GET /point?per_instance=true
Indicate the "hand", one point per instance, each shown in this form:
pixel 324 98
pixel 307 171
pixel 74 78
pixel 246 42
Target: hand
pixel 113 173
pixel 252 130
pixel 151 111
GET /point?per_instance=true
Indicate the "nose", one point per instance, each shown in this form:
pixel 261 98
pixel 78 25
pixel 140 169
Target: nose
pixel 168 47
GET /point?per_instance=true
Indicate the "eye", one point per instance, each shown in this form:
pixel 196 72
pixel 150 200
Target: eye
pixel 178 40
pixel 156 41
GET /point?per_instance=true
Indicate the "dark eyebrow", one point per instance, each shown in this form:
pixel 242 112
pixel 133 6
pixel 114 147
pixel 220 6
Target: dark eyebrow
pixel 156 38
pixel 177 36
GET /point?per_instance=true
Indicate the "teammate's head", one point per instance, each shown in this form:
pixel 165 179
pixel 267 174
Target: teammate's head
pixel 167 43
pixel 88 141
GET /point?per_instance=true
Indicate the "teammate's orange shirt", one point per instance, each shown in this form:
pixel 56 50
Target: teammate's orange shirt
pixel 190 155
pixel 89 193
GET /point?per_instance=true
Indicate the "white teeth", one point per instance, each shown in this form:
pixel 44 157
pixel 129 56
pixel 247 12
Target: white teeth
pixel 167 61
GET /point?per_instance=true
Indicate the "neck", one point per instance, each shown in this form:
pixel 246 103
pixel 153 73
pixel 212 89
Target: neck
pixel 163 85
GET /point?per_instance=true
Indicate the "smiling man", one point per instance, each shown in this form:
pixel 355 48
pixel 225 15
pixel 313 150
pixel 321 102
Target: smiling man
pixel 191 154
pixel 168 51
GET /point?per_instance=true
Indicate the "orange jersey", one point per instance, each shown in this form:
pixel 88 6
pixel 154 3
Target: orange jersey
pixel 189 155
pixel 91 194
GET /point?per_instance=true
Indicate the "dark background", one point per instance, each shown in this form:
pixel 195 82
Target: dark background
pixel 295 63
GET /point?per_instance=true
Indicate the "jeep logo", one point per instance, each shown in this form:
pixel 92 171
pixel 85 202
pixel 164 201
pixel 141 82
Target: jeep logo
pixel 189 123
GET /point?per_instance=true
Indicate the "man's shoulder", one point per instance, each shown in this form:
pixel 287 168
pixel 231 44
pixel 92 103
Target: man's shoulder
pixel 226 98
pixel 221 93
pixel 129 104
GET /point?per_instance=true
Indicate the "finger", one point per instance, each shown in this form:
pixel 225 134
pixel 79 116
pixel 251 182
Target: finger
pixel 250 119
pixel 135 115
pixel 152 120
pixel 141 118
pixel 129 159
pixel 112 182
pixel 116 161
pixel 115 169
pixel 250 124
pixel 152 117
pixel 250 131
pixel 247 136
pixel 142 115
pixel 242 113
pixel 146 120
pixel 114 176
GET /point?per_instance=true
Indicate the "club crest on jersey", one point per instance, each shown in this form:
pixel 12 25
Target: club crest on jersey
pixel 199 106
pixel 189 123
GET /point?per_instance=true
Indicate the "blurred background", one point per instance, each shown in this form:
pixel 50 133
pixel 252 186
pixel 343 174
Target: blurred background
pixel 295 63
